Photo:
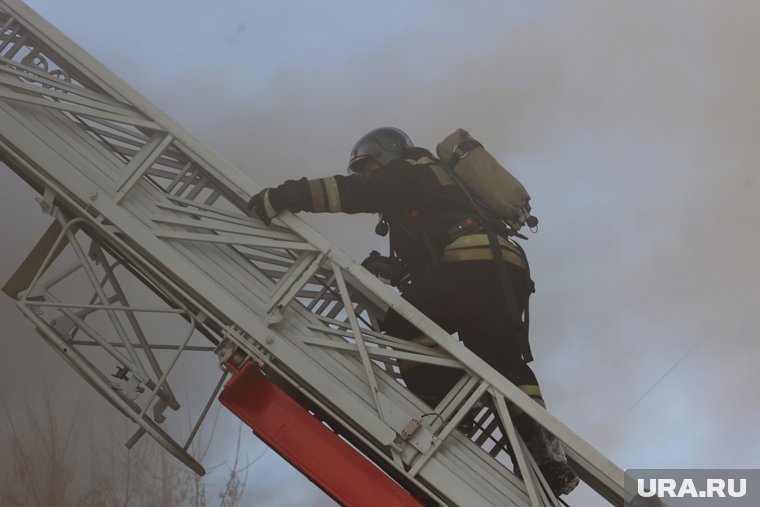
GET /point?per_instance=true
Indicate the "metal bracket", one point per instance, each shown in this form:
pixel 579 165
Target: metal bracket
pixel 63 326
pixel 129 385
pixel 287 288
pixel 46 201
pixel 132 388
pixel 412 435
pixel 158 410
pixel 34 296
pixel 409 429
pixel 228 352
pixel 274 316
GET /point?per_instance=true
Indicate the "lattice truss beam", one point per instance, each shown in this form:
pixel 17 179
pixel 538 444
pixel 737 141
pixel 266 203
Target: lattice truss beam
pixel 136 201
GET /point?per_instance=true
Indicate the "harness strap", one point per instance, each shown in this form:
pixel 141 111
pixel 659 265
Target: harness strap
pixel 461 150
pixel 520 325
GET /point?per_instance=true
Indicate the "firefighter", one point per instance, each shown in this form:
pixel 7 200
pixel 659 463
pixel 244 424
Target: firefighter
pixel 442 260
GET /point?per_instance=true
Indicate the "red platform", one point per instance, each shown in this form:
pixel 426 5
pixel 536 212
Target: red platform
pixel 310 446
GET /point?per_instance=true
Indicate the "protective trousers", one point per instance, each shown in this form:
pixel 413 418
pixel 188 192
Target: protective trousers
pixel 467 298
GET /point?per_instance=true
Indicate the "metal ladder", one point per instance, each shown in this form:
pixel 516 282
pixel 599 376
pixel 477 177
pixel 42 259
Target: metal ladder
pixel 136 200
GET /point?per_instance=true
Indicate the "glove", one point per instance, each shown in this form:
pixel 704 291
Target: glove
pixel 390 270
pixel 262 206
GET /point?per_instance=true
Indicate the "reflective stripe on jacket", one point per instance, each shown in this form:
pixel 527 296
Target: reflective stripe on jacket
pixel 476 247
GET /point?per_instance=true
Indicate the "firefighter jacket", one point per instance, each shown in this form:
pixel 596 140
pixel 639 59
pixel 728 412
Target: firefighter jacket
pixel 430 217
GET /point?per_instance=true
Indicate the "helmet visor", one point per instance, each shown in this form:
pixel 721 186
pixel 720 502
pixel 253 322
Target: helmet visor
pixel 359 164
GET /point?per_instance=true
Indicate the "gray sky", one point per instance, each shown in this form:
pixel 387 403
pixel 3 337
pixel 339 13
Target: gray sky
pixel 634 126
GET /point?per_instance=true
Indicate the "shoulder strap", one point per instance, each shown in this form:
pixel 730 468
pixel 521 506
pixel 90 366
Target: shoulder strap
pixel 435 255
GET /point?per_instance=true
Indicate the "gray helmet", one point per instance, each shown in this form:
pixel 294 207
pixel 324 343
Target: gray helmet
pixel 383 144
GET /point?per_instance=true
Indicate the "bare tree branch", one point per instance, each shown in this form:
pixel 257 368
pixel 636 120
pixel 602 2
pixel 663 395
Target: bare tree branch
pixel 51 468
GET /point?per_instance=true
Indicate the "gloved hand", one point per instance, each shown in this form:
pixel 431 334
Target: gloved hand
pixel 262 206
pixel 390 270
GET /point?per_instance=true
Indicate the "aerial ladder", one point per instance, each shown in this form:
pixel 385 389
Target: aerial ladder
pixel 135 202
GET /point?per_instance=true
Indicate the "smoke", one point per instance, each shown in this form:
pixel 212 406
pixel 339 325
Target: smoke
pixel 633 126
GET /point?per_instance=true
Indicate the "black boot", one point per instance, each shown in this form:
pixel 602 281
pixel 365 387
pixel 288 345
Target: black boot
pixel 549 455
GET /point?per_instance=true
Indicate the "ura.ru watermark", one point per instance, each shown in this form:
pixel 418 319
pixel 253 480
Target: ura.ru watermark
pixel 688 488
pixel 692 487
